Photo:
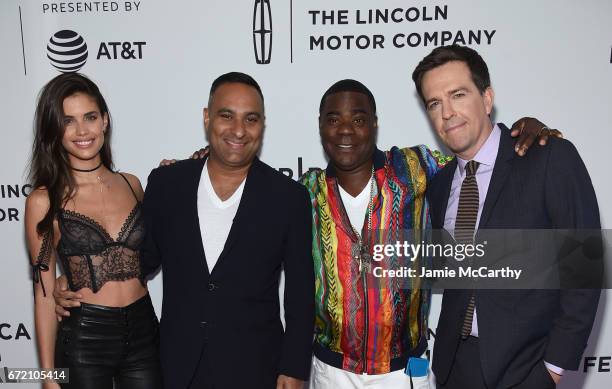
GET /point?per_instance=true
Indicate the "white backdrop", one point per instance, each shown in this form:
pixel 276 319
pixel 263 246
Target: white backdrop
pixel 551 59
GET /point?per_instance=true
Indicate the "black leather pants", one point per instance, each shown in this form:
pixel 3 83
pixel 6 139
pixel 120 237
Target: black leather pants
pixel 104 346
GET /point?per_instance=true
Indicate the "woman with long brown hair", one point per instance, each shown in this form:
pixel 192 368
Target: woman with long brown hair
pixel 88 217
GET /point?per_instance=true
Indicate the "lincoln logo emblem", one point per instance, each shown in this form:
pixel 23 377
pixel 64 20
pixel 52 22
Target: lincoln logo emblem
pixel 262 31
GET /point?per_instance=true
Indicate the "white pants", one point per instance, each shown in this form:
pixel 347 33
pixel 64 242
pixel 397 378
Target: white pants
pixel 324 376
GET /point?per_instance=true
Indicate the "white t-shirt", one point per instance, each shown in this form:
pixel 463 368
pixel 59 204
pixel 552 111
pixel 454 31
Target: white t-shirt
pixel 356 207
pixel 216 217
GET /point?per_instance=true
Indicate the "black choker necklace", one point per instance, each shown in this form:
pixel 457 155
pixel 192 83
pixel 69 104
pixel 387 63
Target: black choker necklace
pixel 87 170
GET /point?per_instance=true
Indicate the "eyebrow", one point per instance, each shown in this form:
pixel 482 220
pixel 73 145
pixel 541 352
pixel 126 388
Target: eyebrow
pixel 353 111
pixel 85 114
pixel 228 110
pixel 462 88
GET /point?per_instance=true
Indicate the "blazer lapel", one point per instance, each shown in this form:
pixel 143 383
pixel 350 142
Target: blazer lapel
pixel 503 166
pixel 193 217
pixel 441 195
pixel 247 207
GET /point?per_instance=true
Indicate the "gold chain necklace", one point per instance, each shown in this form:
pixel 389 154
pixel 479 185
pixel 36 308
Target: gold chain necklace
pixel 361 253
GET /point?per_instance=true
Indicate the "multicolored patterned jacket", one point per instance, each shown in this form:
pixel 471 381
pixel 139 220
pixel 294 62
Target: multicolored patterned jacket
pixel 366 324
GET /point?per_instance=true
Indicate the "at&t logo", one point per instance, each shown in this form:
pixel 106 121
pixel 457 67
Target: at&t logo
pixel 121 50
pixel 67 51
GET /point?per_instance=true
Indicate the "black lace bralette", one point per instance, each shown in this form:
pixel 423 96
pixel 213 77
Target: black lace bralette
pixel 90 257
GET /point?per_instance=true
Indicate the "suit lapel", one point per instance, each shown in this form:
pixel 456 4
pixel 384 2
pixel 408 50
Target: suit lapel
pixel 193 217
pixel 503 167
pixel 444 181
pixel 246 208
pixel 446 187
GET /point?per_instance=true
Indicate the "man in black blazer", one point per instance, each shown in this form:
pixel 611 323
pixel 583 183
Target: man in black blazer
pixel 516 338
pixel 221 327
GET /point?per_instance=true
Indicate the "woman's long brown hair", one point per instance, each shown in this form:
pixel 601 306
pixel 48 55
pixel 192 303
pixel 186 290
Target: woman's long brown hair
pixel 49 166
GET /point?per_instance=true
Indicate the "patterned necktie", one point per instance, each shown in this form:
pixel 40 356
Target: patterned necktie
pixel 465 225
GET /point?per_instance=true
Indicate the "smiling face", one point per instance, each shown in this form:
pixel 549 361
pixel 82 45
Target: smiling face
pixel 84 127
pixel 348 128
pixel 234 124
pixel 457 110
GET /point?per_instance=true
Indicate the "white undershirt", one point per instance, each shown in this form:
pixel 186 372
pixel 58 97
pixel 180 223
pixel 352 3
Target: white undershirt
pixel 356 207
pixel 216 217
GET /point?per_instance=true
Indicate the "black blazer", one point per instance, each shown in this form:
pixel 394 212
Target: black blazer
pixel 232 314
pixel 548 188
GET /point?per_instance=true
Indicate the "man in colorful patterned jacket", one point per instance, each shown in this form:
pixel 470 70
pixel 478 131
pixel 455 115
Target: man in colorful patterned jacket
pixel 367 327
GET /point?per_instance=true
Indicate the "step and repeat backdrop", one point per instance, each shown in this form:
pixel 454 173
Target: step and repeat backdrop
pixel 154 61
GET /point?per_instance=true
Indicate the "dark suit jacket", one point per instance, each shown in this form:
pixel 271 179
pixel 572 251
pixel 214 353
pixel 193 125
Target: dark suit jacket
pixel 549 188
pixel 232 314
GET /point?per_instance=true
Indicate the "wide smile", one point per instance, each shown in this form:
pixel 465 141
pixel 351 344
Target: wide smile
pixel 83 144
pixel 345 146
pixel 235 145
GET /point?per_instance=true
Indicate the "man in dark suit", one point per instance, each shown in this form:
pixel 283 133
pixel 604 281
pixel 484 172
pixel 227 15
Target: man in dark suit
pixel 222 228
pixel 501 338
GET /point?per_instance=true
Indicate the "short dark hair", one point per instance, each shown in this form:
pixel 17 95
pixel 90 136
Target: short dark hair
pixel 348 86
pixel 234 77
pixel 444 54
